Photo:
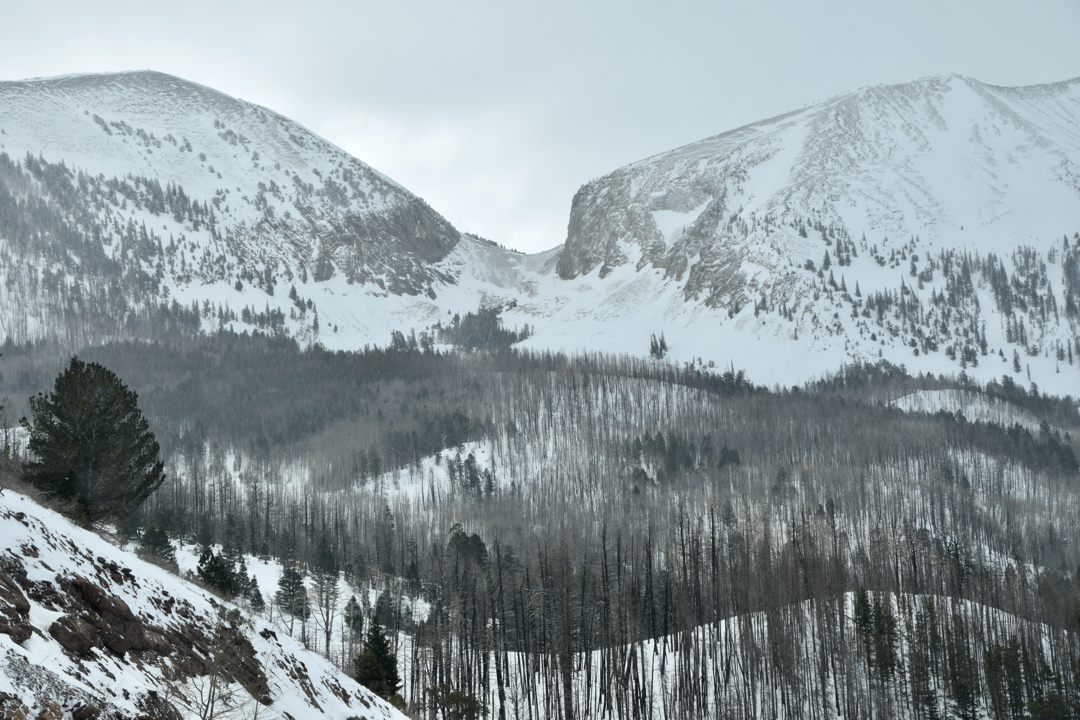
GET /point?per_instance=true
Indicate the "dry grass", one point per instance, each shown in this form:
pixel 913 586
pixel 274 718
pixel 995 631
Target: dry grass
pixel 11 479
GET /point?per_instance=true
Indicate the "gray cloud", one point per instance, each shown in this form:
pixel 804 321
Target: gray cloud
pixel 497 112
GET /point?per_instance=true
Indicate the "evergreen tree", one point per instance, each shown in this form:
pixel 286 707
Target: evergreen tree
pixel 354 617
pixel 157 547
pixel 454 704
pixel 241 579
pixel 93 445
pixel 292 595
pixel 472 476
pixel 255 595
pixel 412 576
pixel 215 571
pixel 376 666
pixel 385 612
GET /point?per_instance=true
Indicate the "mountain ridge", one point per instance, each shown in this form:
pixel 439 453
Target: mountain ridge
pixel 803 178
pixel 737 247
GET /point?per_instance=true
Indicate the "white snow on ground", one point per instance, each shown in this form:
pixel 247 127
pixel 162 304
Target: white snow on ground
pixel 302 684
pixel 973 405
pixel 671 223
pixel 268 574
pixel 970 166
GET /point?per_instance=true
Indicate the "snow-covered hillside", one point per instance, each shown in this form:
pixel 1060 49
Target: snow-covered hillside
pixel 932 224
pixel 972 405
pixel 86 627
pixel 274 194
pixel 787 229
pixel 944 158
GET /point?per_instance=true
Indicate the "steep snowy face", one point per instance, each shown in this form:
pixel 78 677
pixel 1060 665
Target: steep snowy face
pixel 241 183
pixel 940 158
pixel 93 631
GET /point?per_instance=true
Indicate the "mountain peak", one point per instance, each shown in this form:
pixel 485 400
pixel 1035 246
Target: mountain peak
pixel 279 195
pixel 916 158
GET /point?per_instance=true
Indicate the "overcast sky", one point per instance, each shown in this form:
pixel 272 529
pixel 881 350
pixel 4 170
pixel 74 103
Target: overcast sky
pixel 496 112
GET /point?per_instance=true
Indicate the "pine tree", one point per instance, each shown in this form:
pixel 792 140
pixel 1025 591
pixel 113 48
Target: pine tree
pixel 255 595
pixel 376 666
pixel 354 617
pixel 455 704
pixel 214 570
pixel 157 547
pixel 292 595
pixel 412 576
pixel 93 445
pixel 385 612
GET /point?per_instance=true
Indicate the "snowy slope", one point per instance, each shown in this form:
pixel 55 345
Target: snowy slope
pixel 283 200
pixel 923 195
pixel 926 158
pixel 85 624
pixel 710 243
pixel 974 406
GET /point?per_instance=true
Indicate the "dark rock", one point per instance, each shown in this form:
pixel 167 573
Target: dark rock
pixel 118 629
pixel 12 708
pixel 73 635
pixel 17 633
pixel 85 712
pixel 50 710
pixel 241 664
pixel 14 609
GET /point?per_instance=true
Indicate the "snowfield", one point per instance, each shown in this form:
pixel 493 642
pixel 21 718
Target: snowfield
pixel 974 406
pixel 707 244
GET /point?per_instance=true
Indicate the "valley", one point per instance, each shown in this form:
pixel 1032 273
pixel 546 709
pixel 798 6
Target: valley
pixel 786 426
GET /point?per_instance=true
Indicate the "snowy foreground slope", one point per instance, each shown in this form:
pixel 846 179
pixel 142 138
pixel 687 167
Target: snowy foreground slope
pixel 932 224
pixel 85 626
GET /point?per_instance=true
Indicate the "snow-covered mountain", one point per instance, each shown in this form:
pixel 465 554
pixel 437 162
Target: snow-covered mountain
pixel 273 194
pixel 890 190
pixel 932 224
pixel 942 158
pixel 88 630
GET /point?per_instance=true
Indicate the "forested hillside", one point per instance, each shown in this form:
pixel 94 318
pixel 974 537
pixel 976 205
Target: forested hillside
pixel 575 524
pixel 825 465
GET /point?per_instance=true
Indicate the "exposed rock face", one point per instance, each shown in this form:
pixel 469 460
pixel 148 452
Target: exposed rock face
pixel 103 619
pixel 14 610
pixel 73 635
pixel 12 708
pixel 723 211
